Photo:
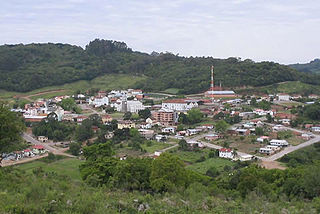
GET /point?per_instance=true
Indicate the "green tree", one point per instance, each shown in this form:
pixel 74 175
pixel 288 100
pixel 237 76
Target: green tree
pixel 221 126
pixel 259 131
pixel 183 145
pixel 144 114
pixel 194 116
pixel 74 148
pixel 167 173
pixel 127 115
pixel 11 127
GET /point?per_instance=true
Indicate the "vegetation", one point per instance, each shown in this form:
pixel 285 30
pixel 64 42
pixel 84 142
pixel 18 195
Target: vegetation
pixel 11 126
pixel 311 67
pixel 28 67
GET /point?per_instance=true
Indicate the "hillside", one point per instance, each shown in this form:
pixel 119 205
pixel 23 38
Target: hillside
pixel 311 67
pixel 28 67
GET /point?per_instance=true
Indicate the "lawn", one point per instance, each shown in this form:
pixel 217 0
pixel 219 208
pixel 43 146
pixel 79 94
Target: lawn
pixel 190 156
pixel 172 91
pixel 218 163
pixel 65 166
pixel 117 115
pixel 155 146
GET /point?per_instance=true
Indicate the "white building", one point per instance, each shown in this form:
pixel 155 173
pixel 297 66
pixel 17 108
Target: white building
pixel 179 104
pixel 195 144
pixel 99 101
pixel 168 130
pixel 281 143
pixel 262 139
pixel 134 106
pixel 266 151
pixel 226 153
pixel 283 97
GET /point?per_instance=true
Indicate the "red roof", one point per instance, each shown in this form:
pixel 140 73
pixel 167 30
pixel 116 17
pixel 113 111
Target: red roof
pixel 225 150
pixel 27 150
pixel 38 147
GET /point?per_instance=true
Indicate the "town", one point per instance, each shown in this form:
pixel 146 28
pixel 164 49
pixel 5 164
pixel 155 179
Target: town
pixel 237 127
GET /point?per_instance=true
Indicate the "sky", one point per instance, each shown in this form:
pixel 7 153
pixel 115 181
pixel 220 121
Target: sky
pixel 284 31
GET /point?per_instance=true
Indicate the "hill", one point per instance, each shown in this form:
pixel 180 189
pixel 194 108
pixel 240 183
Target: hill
pixel 311 67
pixel 28 67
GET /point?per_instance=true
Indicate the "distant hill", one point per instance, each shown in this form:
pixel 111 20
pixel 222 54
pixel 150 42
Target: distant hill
pixel 311 67
pixel 28 67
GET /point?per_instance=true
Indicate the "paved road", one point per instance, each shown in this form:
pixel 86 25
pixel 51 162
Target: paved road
pixel 290 149
pixel 55 151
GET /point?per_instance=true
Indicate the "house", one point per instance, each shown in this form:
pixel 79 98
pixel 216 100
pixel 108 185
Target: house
pixel 306 136
pixel 281 143
pixel 160 138
pixel 126 124
pixel 168 130
pixel 313 96
pixel 195 144
pixel 190 132
pixel 99 101
pixel 146 133
pixel 95 129
pixel 38 149
pixel 157 153
pixel 79 119
pixel 226 153
pixel 262 139
pixel 42 139
pixel 274 148
pixel 277 128
pixel 179 104
pixel 243 132
pixel 27 153
pixel 18 155
pixel 266 151
pixel 245 157
pixel 283 97
pixel 212 137
pixel 145 126
pixel 106 119
pixel 109 135
pixel 315 129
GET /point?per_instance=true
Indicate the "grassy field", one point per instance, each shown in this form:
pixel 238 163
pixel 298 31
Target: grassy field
pixel 218 163
pixel 172 91
pixel 106 82
pixel 155 146
pixel 291 87
pixel 65 166
pixel 190 156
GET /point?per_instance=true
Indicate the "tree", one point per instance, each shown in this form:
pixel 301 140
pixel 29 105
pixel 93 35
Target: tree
pixel 259 131
pixel 74 148
pixel 145 113
pixel 212 172
pixel 183 145
pixel 194 116
pixel 221 126
pixel 127 115
pixel 269 118
pixel 69 104
pixel 167 172
pixel 11 126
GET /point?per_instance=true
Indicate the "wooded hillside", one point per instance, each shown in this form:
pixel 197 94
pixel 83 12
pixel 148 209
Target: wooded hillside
pixel 28 67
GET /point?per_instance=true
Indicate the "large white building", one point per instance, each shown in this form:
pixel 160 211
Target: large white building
pixel 283 97
pixel 134 106
pixel 99 101
pixel 179 104
pixel 225 153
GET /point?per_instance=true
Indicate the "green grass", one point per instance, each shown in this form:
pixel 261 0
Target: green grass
pixel 155 146
pixel 290 87
pixel 218 163
pixel 191 156
pixel 117 115
pixel 105 82
pixel 172 91
pixel 66 166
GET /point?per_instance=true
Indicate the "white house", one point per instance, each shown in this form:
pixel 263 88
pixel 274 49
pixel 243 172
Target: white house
pixel 168 130
pixel 278 128
pixel 160 137
pixel 157 153
pixel 274 148
pixel 245 157
pixel 195 144
pixel 226 153
pixel 99 101
pixel 179 104
pixel 192 132
pixel 281 143
pixel 262 139
pixel 283 97
pixel 315 129
pixel 266 151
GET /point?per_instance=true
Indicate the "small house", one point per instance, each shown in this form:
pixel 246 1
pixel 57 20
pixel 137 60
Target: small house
pixel 266 151
pixel 212 137
pixel 226 153
pixel 168 130
pixel 38 149
pixel 281 143
pixel 262 139
pixel 42 139
pixel 160 138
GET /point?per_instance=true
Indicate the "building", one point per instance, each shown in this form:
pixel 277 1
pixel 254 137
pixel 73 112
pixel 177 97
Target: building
pixel 283 97
pixel 179 104
pixel 99 101
pixel 226 153
pixel 168 130
pixel 280 143
pixel 106 119
pixel 262 139
pixel 266 151
pixel 315 129
pixel 42 139
pixel 146 133
pixel 160 137
pixel 165 117
pixel 245 157
pixel 195 144
pixel 212 137
pixel 134 106
pixel 126 124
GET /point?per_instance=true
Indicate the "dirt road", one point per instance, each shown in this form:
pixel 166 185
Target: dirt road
pixel 40 93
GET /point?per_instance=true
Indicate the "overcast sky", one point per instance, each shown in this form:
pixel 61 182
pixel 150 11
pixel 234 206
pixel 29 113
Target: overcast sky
pixel 285 31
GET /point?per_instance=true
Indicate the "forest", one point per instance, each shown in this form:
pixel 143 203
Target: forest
pixel 28 67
